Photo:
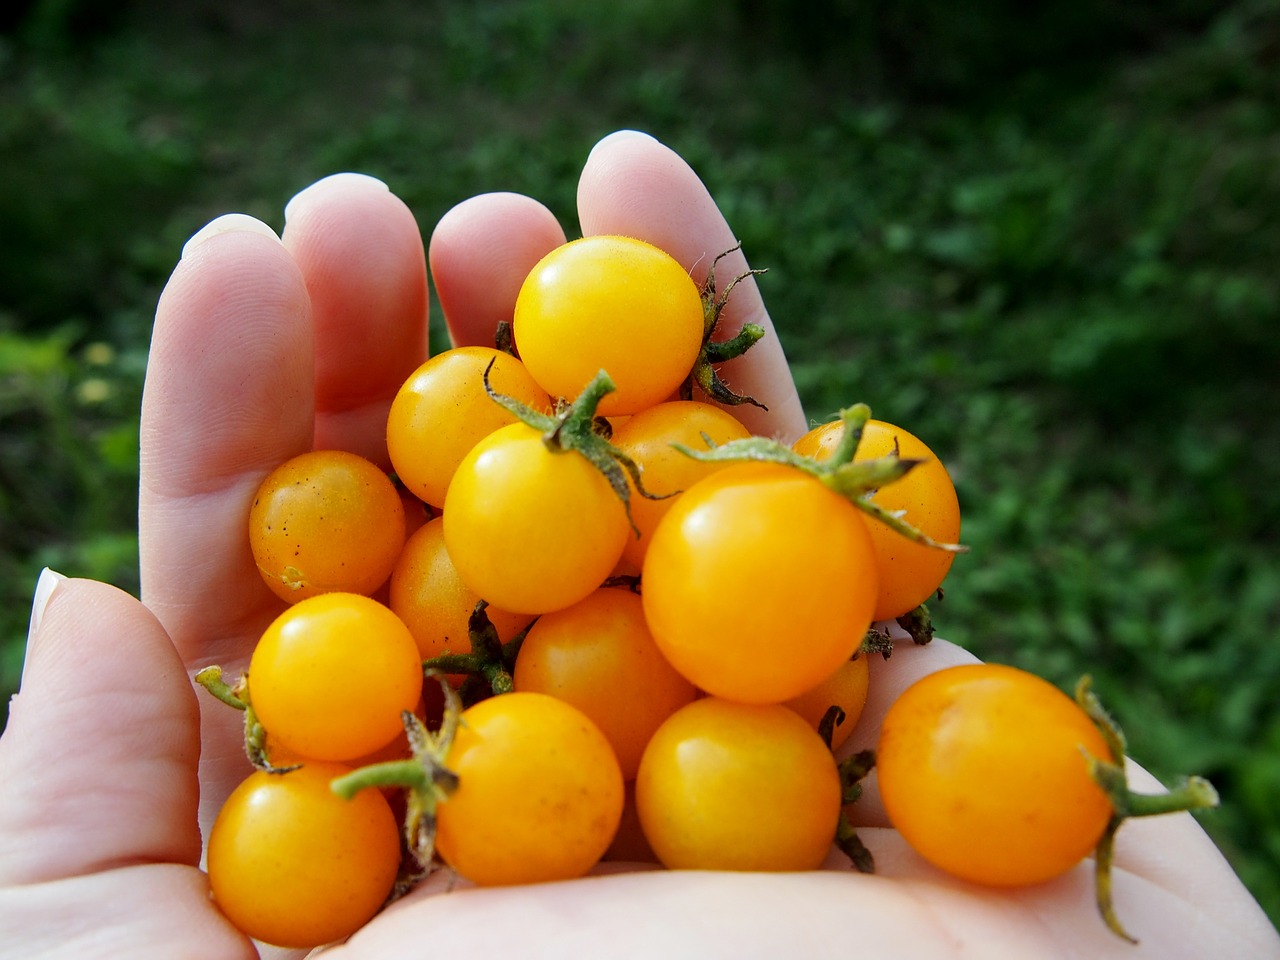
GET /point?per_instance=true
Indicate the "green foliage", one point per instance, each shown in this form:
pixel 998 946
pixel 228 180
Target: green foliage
pixel 1045 241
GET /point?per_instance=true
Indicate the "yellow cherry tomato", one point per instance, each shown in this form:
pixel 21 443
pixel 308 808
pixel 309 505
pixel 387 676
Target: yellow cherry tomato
pixel 539 794
pixel 732 786
pixel 530 530
pixel 294 865
pixel 442 411
pixel 612 303
pixel 846 689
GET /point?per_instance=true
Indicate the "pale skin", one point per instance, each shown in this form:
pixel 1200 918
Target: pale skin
pixel 262 348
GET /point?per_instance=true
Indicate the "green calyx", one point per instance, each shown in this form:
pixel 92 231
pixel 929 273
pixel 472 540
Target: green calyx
pixel 237 696
pixel 576 428
pixel 717 351
pixel 856 481
pixel 489 664
pixel 1194 793
pixel 425 778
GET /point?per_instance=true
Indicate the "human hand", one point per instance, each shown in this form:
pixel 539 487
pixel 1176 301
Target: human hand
pixel 98 828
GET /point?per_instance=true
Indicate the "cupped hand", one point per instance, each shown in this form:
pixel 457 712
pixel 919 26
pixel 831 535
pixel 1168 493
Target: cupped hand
pixel 265 347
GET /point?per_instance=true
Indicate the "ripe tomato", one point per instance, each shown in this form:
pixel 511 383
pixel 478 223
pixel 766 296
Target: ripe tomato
pixel 599 656
pixel 292 864
pixel 442 410
pixel 330 677
pixel 530 530
pixel 324 521
pixel 539 792
pixel 731 786
pixel 429 596
pixel 647 439
pixel 846 689
pixel 909 572
pixel 981 767
pixel 612 303
pixel 759 582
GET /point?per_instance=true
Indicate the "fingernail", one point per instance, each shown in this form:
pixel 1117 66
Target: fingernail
pixel 46 584
pixel 339 179
pixel 227 223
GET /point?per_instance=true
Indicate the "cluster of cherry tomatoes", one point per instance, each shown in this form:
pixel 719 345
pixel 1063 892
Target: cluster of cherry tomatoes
pixel 649 625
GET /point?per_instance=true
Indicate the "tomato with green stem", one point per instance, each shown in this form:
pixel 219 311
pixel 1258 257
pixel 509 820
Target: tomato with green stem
pixel 984 770
pixel 759 582
pixel 613 303
pixel 539 792
pixel 732 786
pixel 292 864
pixel 330 677
pixel 910 572
pixel 327 520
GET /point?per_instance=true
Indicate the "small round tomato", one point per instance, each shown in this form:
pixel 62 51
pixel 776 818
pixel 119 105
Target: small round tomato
pixel 292 864
pixel 759 582
pixel 429 596
pixel 442 411
pixel 599 656
pixel 846 689
pixel 331 676
pixel 647 439
pixel 612 303
pixel 528 529
pixel 325 521
pixel 909 572
pixel 732 786
pixel 982 769
pixel 539 794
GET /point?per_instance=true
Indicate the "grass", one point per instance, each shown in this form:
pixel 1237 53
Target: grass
pixel 1059 272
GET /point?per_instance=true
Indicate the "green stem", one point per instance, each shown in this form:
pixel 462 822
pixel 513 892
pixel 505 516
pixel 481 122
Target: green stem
pixel 211 679
pixel 393 773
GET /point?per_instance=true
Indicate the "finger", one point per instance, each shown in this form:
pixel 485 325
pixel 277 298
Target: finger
pixel 480 253
pixel 228 396
pixel 99 755
pixel 634 185
pixel 360 253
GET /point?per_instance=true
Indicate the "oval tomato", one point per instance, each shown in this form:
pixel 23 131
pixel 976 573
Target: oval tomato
pixel 982 769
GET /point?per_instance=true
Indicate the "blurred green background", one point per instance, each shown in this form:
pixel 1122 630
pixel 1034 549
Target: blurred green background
pixel 1047 242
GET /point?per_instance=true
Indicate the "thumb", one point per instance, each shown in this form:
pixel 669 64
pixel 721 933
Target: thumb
pixel 99 755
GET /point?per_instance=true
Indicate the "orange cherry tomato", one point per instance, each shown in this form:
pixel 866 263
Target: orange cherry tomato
pixel 909 572
pixel 732 786
pixel 292 864
pixel 759 582
pixel 982 769
pixel 599 656
pixel 539 794
pixel 647 439
pixel 429 596
pixel 326 521
pixel 846 689
pixel 442 411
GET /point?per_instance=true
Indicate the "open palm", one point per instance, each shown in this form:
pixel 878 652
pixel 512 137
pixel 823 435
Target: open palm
pixel 263 349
